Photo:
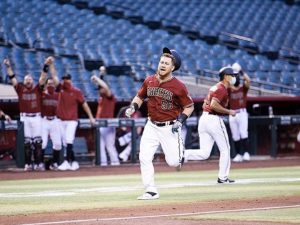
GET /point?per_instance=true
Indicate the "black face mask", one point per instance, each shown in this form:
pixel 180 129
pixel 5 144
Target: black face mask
pixel 237 83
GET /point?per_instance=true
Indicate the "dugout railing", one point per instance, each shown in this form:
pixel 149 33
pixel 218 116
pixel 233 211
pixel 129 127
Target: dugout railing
pixel 272 122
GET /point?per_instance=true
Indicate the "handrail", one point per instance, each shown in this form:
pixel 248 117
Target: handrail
pixel 240 37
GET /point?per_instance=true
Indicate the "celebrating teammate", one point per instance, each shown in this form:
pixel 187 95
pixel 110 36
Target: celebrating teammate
pixel 211 126
pixel 50 122
pixel 30 113
pixel 106 108
pixel 169 105
pixel 239 123
pixel 67 111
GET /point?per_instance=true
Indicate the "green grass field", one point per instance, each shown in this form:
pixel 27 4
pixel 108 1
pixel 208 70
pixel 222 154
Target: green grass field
pixel 50 195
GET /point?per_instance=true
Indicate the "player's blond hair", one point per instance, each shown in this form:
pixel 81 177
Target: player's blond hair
pixel 169 56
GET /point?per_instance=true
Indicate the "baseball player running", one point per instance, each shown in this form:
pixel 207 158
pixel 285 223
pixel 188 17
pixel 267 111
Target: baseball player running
pixel 169 105
pixel 30 113
pixel 211 127
pixel 239 123
pixel 67 111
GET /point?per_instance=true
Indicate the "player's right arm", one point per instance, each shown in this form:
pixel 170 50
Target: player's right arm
pixel 138 99
pixel 10 72
pixel 102 84
pixel 134 106
pixel 217 107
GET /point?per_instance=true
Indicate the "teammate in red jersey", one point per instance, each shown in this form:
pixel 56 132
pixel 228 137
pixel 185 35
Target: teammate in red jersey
pixel 169 105
pixel 211 127
pixel 50 122
pixel 69 99
pixel 239 123
pixel 30 97
pixel 106 108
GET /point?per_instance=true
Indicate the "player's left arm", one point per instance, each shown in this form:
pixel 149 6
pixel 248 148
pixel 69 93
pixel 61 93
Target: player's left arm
pixel 247 80
pixel 53 73
pixel 43 76
pixel 188 110
pixel 88 111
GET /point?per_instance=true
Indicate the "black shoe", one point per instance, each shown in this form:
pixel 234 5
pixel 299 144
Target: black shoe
pixel 226 181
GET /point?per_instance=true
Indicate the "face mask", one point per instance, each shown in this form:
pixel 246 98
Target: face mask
pixel 233 80
pixel 66 85
pixel 50 89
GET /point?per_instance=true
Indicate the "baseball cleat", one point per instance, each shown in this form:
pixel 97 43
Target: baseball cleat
pixel 40 167
pixel 115 163
pixel 226 181
pixel 27 167
pixel 149 196
pixel 238 158
pixel 64 166
pixel 246 156
pixel 53 166
pixel 74 166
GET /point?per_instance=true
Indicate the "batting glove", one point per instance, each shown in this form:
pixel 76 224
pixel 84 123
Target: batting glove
pixel 129 111
pixel 176 126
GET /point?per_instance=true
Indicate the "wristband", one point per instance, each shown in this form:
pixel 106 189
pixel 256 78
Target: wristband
pixel 3 117
pixel 46 68
pixel 135 106
pixel 12 76
pixel 182 117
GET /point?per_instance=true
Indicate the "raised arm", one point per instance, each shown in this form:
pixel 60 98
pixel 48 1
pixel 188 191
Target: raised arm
pixel 53 73
pixel 102 84
pixel 10 72
pixel 247 79
pixel 43 76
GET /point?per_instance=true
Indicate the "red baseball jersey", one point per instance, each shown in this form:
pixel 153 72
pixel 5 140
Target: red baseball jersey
pixel 166 100
pixel 30 100
pixel 49 104
pixel 238 97
pixel 220 93
pixel 68 101
pixel 106 107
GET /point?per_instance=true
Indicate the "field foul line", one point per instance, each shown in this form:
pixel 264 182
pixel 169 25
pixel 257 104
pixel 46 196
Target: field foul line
pixel 164 215
pixel 75 191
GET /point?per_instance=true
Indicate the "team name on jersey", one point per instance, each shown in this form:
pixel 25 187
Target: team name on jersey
pixel 29 96
pixel 50 102
pixel 160 92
